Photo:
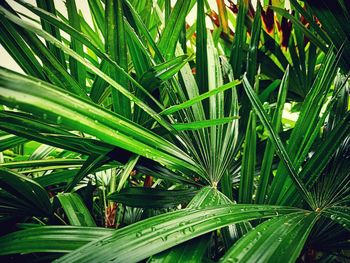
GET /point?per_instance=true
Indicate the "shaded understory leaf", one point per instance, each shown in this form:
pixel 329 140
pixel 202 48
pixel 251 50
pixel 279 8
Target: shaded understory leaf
pixel 21 195
pixel 151 197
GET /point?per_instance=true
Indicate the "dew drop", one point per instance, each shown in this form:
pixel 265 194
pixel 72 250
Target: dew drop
pixel 102 242
pixel 59 120
pixel 232 260
pixel 148 151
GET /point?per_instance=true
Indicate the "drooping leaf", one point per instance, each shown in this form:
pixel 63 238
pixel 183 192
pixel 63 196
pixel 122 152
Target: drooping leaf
pixel 65 109
pixel 166 231
pixel 22 191
pixel 319 42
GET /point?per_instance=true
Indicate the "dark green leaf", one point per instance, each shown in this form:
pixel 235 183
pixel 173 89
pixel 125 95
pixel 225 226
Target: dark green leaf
pixel 29 193
pixel 151 197
pixel 166 231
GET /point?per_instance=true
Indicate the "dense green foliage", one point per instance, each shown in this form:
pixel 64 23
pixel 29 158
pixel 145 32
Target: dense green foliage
pixel 139 137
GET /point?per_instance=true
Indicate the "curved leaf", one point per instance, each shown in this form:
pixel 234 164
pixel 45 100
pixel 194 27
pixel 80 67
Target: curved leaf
pixel 153 235
pixel 68 110
pixel 193 250
pixel 279 238
pixel 24 191
pixel 30 127
pixel 190 252
pixel 61 239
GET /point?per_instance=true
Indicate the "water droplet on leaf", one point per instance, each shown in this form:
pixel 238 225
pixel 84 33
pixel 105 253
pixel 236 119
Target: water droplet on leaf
pixel 59 120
